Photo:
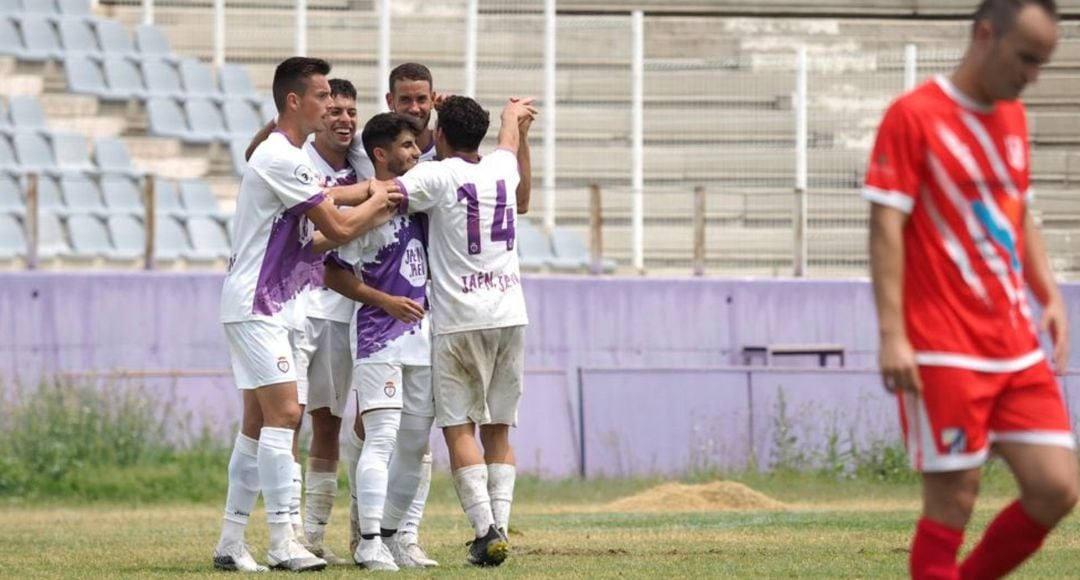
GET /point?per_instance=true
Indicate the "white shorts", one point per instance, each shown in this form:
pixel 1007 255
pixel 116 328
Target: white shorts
pixel 394 386
pixel 329 362
pixel 262 353
pixel 477 376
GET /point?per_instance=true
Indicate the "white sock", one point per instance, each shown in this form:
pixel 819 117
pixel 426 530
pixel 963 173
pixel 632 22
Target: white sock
pixel 295 498
pixel 275 479
pixel 372 471
pixel 501 478
pixel 243 489
pixel 472 490
pixel 410 525
pixel 321 489
pixel 350 452
pixel 405 468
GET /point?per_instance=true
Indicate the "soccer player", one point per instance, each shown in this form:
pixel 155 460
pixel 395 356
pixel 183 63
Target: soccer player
pixel 269 266
pixel 479 319
pixel 953 250
pixel 385 272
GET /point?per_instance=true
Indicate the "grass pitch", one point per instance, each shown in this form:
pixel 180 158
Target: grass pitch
pixel 830 529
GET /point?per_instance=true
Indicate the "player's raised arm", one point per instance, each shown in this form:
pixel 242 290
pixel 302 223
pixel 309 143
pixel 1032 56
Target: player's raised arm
pixel 512 114
pixel 1040 277
pixel 524 157
pixel 344 282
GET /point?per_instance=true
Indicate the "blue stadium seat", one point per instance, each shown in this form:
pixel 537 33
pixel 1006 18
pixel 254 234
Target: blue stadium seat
pixel 26 114
pixel 77 36
pixel 199 199
pixel 11 198
pixel 204 121
pixel 10 38
pixel 72 154
pixel 123 79
pixel 89 238
pixel 34 153
pixel 128 236
pixel 84 76
pixel 236 84
pixel 241 118
pixel 161 79
pixel 151 41
pixel 122 196
pixel 198 81
pixel 81 196
pixel 49 198
pixel 114 39
pixel 167 198
pixel 112 158
pixel 40 40
pixel 166 119
pixel 208 240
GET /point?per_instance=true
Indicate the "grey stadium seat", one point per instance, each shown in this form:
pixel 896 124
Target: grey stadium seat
pixel 167 198
pixel 533 246
pixel 71 153
pixel 77 36
pixel 571 253
pixel 128 236
pixel 84 76
pixel 236 84
pixel 10 7
pixel 198 80
pixel 122 196
pixel 26 114
pixel 204 121
pixel 123 78
pixel 267 109
pixel 161 79
pixel 81 195
pixel 12 238
pixel 52 241
pixel 166 119
pixel 5 123
pixel 111 156
pixel 89 238
pixel 75 9
pixel 170 240
pixel 10 38
pixel 8 161
pixel 49 198
pixel 34 153
pixel 114 39
pixel 241 118
pixel 151 41
pixel 199 199
pixel 237 148
pixel 40 41
pixel 208 239
pixel 11 198
pixel 41 7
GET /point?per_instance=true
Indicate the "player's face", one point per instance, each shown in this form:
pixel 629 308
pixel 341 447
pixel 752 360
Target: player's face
pixel 1017 55
pixel 314 103
pixel 410 97
pixel 404 154
pixel 340 124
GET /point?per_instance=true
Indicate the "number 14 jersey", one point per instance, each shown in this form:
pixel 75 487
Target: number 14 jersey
pixel 472 210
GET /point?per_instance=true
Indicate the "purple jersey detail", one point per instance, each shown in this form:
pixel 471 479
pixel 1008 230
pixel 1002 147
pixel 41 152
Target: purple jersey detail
pixel 375 328
pixel 403 207
pixel 287 266
pixel 332 257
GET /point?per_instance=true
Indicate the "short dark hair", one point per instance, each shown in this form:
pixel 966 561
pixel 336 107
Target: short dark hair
pixel 1002 13
pixel 342 88
pixel 291 76
pixel 410 71
pixel 383 129
pixel 463 122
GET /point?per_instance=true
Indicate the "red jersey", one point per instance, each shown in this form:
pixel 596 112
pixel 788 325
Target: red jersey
pixel 961 171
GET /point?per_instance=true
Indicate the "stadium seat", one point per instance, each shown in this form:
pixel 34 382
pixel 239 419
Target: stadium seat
pixel 204 121
pixel 170 240
pixel 49 198
pixel 8 161
pixel 166 119
pixel 151 41
pixel 12 238
pixel 84 76
pixel 77 37
pixel 533 247
pixel 10 7
pixel 199 200
pixel 237 148
pixel 34 153
pixel 236 84
pixel 71 153
pixel 11 199
pixel 5 123
pixel 208 240
pixel 75 9
pixel 26 114
pixel 571 253
pixel 114 39
pixel 40 41
pixel 111 156
pixel 161 79
pixel 10 39
pixel 122 196
pixel 81 195
pixel 89 238
pixel 267 109
pixel 128 236
pixel 40 7
pixel 198 80
pixel 52 241
pixel 123 79
pixel 241 118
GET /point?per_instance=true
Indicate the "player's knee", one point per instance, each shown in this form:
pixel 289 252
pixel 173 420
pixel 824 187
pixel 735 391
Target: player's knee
pixel 286 416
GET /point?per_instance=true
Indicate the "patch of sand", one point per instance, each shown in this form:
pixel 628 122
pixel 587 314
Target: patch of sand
pixel 680 497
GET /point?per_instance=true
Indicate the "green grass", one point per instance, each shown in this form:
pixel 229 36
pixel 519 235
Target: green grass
pixel 834 529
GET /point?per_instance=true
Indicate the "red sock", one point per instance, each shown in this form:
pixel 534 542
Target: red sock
pixel 933 552
pixel 1011 538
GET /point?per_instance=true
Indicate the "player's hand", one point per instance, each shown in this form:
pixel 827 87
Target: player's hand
pixel 402 308
pixel 520 107
pixel 393 199
pixel 899 371
pixel 1056 322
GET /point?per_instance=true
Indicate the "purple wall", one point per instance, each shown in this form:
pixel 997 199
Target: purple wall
pixel 649 358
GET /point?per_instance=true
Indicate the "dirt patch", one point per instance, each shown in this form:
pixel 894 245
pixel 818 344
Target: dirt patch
pixel 680 497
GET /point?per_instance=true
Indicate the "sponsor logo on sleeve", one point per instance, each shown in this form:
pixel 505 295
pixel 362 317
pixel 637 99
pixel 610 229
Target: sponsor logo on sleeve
pixel 304 174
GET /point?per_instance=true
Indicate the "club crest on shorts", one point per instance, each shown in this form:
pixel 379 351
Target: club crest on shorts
pixel 390 389
pixel 283 364
pixel 954 440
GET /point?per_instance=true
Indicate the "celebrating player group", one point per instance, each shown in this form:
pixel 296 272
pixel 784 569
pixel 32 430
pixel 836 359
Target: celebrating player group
pixel 345 275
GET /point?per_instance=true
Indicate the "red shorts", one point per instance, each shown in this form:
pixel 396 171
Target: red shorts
pixel 961 412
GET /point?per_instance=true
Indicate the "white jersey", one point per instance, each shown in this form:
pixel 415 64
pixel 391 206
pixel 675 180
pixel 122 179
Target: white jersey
pixel 358 158
pixel 392 258
pixel 323 302
pixel 472 208
pixel 271 261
